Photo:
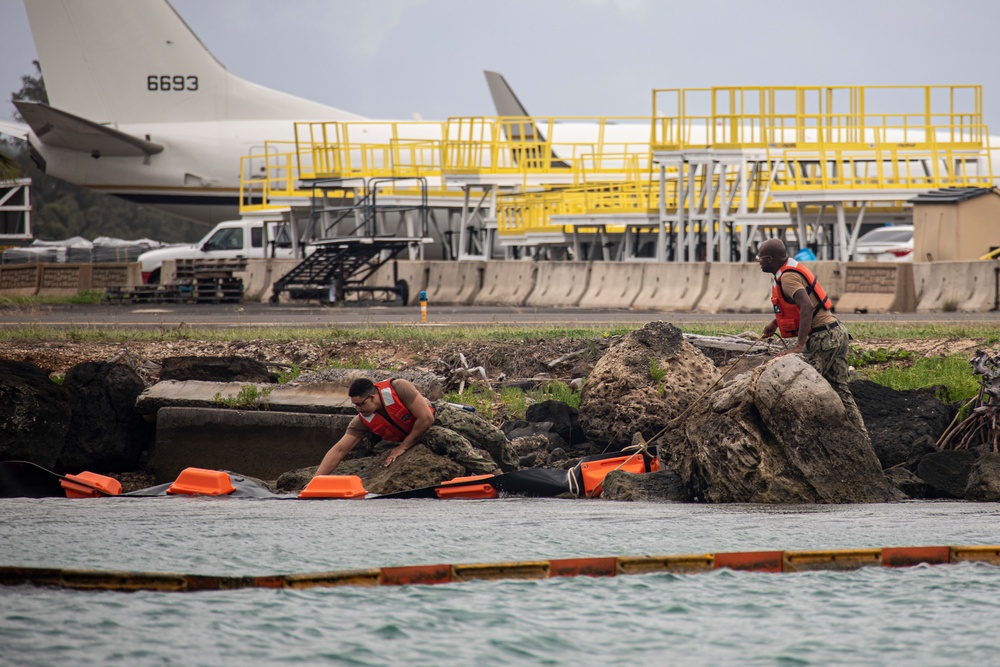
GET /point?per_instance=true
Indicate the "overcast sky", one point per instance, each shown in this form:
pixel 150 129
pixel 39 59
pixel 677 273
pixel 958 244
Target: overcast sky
pixel 398 58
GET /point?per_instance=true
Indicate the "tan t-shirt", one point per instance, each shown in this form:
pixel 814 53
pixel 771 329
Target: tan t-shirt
pixel 792 282
pixel 407 393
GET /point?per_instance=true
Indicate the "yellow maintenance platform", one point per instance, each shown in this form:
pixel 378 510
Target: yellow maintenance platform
pixel 700 179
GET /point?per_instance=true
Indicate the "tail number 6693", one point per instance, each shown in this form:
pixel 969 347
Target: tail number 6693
pixel 171 82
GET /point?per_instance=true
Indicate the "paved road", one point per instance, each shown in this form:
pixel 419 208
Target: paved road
pixel 283 315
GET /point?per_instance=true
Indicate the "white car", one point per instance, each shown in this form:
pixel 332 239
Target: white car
pixel 886 244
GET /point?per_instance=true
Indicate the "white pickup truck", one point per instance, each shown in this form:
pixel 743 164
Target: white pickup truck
pixel 246 238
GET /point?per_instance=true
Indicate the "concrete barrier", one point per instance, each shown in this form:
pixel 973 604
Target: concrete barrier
pixel 256 279
pixel 612 285
pixel 507 283
pixel 559 284
pixel 115 274
pixel 19 279
pixel 950 286
pixel 414 272
pixel 878 287
pixel 736 288
pixel 671 286
pixel 243 441
pixel 454 283
pixel 47 279
pixel 168 271
pixel 63 279
pixel 830 276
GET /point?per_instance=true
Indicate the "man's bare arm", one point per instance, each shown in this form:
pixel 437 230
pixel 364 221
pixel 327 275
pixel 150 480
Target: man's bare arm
pixel 423 420
pixel 337 454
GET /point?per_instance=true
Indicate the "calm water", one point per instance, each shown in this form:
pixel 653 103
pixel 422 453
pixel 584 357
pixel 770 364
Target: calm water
pixel 943 615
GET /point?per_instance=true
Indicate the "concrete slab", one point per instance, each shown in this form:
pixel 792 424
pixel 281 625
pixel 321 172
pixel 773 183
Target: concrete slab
pixel 315 397
pixel 262 444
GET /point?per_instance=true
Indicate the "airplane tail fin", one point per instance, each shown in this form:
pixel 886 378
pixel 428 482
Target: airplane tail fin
pixel 504 99
pixel 507 105
pixel 132 61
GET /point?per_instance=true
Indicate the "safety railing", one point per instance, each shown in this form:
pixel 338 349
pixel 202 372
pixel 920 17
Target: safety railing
pixel 884 167
pixel 370 149
pixel 545 146
pixel 269 176
pixel 789 116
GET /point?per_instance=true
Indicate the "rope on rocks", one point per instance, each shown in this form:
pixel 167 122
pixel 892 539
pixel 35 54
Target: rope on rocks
pixel 696 401
pixel 643 447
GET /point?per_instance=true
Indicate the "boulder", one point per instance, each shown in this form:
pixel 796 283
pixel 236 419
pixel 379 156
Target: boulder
pixel 34 415
pixel 947 472
pixel 641 383
pixel 215 369
pixel 907 482
pixel 902 425
pixel 984 479
pixel 106 434
pixel 777 434
pixel 563 419
pixel 417 468
pixel 530 444
pixel 661 485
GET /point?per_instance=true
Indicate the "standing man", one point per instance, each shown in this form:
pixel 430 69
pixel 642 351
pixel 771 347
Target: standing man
pixel 396 411
pixel 802 311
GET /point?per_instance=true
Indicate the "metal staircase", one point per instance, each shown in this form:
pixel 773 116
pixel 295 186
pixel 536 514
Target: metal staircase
pixel 351 247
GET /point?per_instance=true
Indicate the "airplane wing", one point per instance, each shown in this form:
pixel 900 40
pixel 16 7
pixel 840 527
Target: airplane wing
pixel 12 129
pixel 64 130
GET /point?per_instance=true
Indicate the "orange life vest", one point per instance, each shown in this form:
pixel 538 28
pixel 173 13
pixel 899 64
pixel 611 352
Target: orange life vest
pixel 400 421
pixel 786 311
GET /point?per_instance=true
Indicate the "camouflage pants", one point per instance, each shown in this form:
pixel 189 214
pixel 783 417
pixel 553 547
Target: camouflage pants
pixel 457 434
pixel 827 352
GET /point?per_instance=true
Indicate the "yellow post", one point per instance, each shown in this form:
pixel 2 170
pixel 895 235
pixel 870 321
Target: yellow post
pixel 423 307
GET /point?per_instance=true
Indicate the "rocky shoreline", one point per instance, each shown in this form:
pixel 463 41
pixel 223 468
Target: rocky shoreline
pixel 764 457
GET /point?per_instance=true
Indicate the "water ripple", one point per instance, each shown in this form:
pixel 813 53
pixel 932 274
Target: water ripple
pixel 875 616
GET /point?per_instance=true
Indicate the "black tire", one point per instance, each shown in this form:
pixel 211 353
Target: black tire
pixel 154 278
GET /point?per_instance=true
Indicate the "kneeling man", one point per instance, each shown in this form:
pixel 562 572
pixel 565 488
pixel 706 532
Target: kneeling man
pixel 396 411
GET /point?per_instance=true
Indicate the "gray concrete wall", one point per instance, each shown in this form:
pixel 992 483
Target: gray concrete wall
pixel 260 444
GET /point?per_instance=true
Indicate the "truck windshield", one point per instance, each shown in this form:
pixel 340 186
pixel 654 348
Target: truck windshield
pixel 225 239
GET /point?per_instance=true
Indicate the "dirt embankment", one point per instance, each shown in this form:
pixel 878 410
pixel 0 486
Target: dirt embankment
pixel 508 361
pixel 563 359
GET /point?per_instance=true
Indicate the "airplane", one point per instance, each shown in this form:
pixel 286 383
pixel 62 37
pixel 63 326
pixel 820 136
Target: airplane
pixel 140 109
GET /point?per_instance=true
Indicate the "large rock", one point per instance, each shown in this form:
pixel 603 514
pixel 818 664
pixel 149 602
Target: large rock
pixel 564 420
pixel 417 468
pixel 903 425
pixel 947 472
pixel 777 434
pixel 907 482
pixel 984 480
pixel 34 414
pixel 106 434
pixel 661 485
pixel 215 369
pixel 649 378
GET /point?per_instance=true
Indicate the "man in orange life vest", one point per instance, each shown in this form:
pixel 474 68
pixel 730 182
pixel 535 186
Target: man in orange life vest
pixel 803 311
pixel 396 411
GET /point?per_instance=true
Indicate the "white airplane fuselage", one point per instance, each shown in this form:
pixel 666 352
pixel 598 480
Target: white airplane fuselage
pixel 197 174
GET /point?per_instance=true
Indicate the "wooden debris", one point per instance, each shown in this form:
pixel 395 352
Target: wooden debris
pixel 981 424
